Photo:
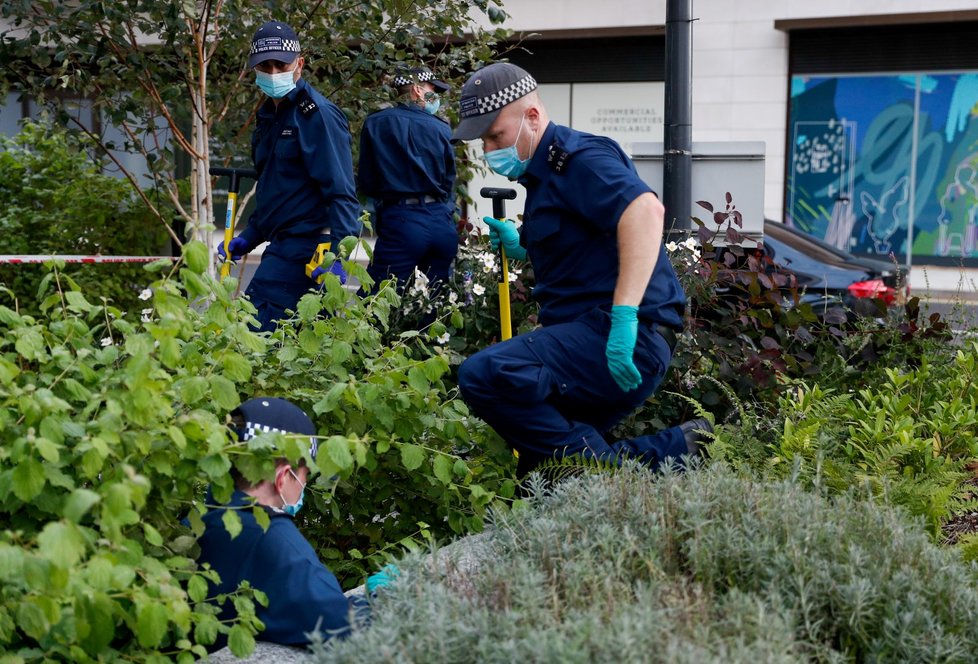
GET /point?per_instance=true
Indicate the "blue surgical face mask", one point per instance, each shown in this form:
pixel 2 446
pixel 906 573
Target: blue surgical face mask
pixel 292 510
pixel 506 161
pixel 275 86
pixel 432 106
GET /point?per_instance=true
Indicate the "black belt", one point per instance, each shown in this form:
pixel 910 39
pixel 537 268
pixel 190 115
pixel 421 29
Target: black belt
pixel 666 333
pixel 412 200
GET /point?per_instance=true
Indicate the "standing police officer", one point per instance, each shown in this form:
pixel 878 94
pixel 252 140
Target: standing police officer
pixel 407 166
pixel 610 302
pixel 306 194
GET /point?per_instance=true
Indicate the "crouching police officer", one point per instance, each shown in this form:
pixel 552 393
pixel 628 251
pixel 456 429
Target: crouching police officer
pixel 407 167
pixel 303 595
pixel 302 150
pixel 610 302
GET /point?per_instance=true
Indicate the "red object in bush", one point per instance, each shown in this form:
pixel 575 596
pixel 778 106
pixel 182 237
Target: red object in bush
pixel 873 288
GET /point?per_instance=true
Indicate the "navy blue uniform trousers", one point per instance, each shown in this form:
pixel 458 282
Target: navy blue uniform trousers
pixel 414 235
pixel 549 393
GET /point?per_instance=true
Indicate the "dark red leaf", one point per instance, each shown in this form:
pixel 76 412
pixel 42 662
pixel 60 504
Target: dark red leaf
pixel 705 205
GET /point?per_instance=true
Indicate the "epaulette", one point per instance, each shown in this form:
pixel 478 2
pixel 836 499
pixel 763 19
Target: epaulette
pixel 306 106
pixel 557 157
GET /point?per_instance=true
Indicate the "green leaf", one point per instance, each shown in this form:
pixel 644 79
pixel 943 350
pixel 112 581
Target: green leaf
pixel 261 517
pixel 152 535
pixel 338 450
pixel 47 449
pixel 215 466
pixel 240 641
pixel 28 479
pixel 32 619
pixel 443 468
pixel 196 254
pixel 96 610
pixel 151 623
pixel 412 456
pixel 61 543
pixel 224 392
pixel 308 341
pixel 232 523
pixel 418 380
pixel 197 588
pixel 236 367
pixel 30 343
pixel 193 389
pixel 460 468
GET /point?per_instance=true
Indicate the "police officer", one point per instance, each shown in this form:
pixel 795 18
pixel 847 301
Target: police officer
pixel 407 167
pixel 303 595
pixel 302 150
pixel 610 302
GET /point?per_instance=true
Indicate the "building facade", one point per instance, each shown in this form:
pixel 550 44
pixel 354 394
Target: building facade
pixel 868 108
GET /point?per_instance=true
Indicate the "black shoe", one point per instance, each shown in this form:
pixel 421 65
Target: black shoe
pixel 696 432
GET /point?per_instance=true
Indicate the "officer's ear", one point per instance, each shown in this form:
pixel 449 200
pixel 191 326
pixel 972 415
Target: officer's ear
pixel 297 72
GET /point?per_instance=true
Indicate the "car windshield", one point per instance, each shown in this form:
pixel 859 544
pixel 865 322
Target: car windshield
pixel 808 245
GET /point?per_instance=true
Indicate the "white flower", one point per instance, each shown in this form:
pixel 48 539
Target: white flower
pixel 443 339
pixel 452 297
pixel 146 315
pixel 671 246
pixel 146 293
pixel 690 244
pixel 513 276
pixel 478 289
pixel 106 341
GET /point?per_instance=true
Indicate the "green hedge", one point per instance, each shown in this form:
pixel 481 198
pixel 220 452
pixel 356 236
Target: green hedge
pixel 54 199
pixel 111 429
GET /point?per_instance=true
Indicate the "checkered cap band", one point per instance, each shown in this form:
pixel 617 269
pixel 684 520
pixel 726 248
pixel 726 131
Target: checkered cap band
pixel 498 99
pixel 411 79
pixel 252 429
pixel 274 44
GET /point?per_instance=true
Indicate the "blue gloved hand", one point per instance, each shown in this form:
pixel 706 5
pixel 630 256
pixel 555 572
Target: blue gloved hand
pixel 383 578
pixel 621 347
pixel 238 246
pixel 335 268
pixel 505 232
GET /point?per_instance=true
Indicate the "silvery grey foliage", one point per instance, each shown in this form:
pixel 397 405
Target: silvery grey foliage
pixel 706 566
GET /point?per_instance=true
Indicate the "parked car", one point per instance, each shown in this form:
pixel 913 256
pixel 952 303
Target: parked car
pixel 833 278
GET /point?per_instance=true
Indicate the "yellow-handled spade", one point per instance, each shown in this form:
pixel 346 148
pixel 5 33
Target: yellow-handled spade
pixel 236 174
pixel 499 196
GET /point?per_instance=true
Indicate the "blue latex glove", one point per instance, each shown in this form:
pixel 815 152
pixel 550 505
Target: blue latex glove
pixel 335 268
pixel 506 233
pixel 621 347
pixel 238 247
pixel 383 578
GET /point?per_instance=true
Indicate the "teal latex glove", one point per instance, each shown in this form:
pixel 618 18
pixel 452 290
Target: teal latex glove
pixel 505 232
pixel 621 347
pixel 383 578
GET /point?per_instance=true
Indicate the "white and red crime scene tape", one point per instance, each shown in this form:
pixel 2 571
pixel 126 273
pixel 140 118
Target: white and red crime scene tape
pixel 15 259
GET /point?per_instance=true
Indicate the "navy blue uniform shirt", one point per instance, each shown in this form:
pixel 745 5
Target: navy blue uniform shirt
pixel 302 152
pixel 280 562
pixel 577 187
pixel 405 151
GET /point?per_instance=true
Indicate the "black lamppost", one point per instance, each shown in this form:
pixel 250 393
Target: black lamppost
pixel 678 144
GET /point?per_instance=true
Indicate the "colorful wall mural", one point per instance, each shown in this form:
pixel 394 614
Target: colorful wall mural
pixel 886 164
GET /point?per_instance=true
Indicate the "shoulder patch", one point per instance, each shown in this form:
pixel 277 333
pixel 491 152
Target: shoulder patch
pixel 307 106
pixel 557 157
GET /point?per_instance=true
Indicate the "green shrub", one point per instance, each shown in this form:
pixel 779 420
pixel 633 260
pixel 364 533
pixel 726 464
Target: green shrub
pixel 707 566
pixel 54 199
pixel 907 438
pixel 111 429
